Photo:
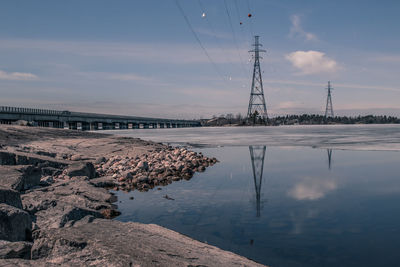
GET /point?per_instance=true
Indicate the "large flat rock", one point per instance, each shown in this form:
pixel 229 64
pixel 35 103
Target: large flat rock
pixel 113 243
pixel 15 224
pixel 56 205
pixel 81 169
pixel 10 197
pixel 23 158
pixel 11 250
pixel 19 177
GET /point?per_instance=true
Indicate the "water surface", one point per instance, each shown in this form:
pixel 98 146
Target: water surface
pixel 285 206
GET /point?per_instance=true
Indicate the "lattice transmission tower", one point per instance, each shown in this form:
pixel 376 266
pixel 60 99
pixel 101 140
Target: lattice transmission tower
pixel 257 110
pixel 257 155
pixel 329 107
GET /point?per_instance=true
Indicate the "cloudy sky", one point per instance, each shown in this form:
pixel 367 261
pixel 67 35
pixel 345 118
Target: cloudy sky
pixel 141 57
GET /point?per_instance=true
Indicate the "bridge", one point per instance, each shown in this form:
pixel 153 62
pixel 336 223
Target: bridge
pixel 85 121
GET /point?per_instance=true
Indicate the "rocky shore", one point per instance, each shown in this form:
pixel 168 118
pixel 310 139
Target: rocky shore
pixel 55 206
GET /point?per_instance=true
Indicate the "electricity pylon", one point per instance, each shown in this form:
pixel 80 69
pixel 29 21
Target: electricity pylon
pixel 329 107
pixel 257 155
pixel 257 109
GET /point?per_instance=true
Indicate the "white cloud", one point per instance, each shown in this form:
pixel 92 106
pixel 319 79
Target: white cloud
pixel 296 30
pixel 171 53
pixel 17 76
pixel 312 62
pixel 312 189
pixel 128 77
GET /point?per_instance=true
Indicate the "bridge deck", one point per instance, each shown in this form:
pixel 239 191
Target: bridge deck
pixel 86 121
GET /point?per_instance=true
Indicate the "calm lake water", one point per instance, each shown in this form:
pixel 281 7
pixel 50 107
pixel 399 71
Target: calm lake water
pixel 285 206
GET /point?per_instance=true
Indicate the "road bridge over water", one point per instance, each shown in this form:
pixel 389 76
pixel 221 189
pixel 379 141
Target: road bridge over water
pixel 86 121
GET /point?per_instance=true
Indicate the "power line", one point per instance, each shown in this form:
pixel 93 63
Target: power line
pixel 203 10
pixel 238 16
pixel 234 35
pixel 251 22
pixel 198 39
pixel 243 34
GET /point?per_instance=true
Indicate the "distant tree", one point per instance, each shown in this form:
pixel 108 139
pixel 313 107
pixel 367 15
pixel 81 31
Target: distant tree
pixel 254 116
pixel 229 117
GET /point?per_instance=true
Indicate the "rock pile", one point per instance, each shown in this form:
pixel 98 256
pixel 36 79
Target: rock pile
pixel 158 168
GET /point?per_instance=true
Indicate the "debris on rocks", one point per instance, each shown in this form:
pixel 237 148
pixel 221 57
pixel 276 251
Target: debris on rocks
pixel 169 198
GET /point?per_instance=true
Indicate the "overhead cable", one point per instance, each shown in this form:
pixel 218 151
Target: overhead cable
pixel 234 35
pixel 198 39
pixel 203 10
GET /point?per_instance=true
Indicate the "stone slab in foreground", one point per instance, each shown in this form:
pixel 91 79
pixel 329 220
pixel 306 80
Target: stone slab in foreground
pixel 113 243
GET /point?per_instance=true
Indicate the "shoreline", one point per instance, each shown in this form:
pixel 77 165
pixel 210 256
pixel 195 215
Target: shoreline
pixel 55 208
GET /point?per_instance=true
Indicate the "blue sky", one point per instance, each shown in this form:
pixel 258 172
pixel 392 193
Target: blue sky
pixel 141 58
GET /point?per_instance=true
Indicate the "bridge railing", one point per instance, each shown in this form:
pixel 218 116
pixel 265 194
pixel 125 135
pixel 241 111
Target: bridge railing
pixel 83 116
pixel 6 109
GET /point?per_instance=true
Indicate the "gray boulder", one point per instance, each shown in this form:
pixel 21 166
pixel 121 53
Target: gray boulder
pixel 100 160
pixel 19 177
pixel 46 181
pixel 12 250
pixel 81 169
pixel 63 203
pixel 7 158
pixel 10 197
pixel 67 216
pixel 105 181
pixel 15 224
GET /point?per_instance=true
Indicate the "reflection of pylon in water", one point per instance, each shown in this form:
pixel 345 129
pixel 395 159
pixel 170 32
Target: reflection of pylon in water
pixel 257 155
pixel 329 150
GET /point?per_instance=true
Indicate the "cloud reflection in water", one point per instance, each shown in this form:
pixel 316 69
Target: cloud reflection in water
pixel 312 188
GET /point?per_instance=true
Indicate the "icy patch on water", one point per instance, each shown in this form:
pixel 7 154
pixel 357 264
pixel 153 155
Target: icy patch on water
pixel 355 137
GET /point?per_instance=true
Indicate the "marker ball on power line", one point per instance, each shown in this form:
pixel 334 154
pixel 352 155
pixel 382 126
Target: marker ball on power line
pixel 203 15
pixel 249 15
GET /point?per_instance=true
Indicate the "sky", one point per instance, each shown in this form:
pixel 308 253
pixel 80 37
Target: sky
pixel 189 58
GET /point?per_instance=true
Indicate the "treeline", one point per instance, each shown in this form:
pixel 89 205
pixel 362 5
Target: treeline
pixel 305 119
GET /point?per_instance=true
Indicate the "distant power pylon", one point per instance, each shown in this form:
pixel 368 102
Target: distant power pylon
pixel 257 109
pixel 329 107
pixel 257 155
